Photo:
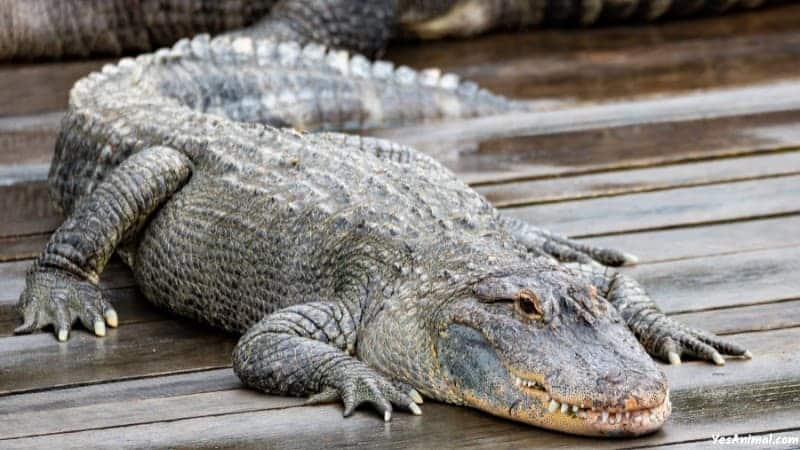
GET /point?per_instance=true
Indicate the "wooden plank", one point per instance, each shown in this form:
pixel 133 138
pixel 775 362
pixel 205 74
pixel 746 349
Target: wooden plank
pixel 22 247
pixel 708 240
pixel 440 426
pixel 121 391
pixel 34 88
pixel 29 362
pixel 641 180
pixel 490 150
pixel 789 440
pixel 780 96
pixel 605 62
pixel 666 209
pixel 28 139
pixel 742 319
pixel 116 413
pixel 641 145
pixel 754 396
pixel 726 280
pixel 30 211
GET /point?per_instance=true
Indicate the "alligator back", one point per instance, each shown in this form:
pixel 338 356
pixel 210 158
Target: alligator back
pixel 209 99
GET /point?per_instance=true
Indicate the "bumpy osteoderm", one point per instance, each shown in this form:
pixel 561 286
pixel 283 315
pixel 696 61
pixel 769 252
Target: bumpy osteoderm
pixel 356 269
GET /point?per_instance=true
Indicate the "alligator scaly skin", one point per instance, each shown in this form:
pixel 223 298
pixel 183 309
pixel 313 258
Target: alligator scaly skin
pixel 341 258
pixel 357 269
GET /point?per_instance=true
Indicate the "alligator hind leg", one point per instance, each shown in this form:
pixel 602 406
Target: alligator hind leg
pixel 355 25
pixel 62 285
pixel 543 242
pixel 661 336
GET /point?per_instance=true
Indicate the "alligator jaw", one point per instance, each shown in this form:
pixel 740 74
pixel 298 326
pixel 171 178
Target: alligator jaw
pixel 480 376
pixel 581 418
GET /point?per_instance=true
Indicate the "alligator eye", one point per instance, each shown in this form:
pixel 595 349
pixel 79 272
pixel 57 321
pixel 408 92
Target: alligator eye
pixel 529 305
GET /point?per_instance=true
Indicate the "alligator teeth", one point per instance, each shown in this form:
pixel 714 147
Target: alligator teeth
pixel 521 382
pixel 360 66
pixel 449 81
pixel 430 77
pixel 610 415
pixel 339 60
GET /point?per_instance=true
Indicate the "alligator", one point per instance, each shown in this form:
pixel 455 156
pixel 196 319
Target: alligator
pixel 33 29
pixel 355 269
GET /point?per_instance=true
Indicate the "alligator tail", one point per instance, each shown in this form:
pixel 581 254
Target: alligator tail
pixel 36 29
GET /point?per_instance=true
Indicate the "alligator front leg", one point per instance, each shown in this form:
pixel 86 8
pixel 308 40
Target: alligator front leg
pixel 305 350
pixel 661 336
pixel 62 285
pixel 543 242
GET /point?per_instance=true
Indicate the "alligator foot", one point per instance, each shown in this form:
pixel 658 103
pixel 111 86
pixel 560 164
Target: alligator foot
pixel 669 340
pixel 366 386
pixel 543 242
pixel 57 298
pixel 662 336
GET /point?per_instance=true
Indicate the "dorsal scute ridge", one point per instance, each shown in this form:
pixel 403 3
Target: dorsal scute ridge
pixel 226 49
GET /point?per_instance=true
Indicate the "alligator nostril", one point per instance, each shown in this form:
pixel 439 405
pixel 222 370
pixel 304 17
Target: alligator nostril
pixel 613 375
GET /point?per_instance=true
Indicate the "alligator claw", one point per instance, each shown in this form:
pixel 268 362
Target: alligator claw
pixel 568 250
pixel 671 340
pixel 57 298
pixel 371 388
pixel 543 242
pixel 410 391
pixel 415 396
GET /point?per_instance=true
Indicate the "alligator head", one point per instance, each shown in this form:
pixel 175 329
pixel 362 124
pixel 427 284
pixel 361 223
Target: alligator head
pixel 546 349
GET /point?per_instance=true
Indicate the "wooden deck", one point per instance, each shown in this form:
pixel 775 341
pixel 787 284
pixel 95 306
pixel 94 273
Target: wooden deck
pixel 679 143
